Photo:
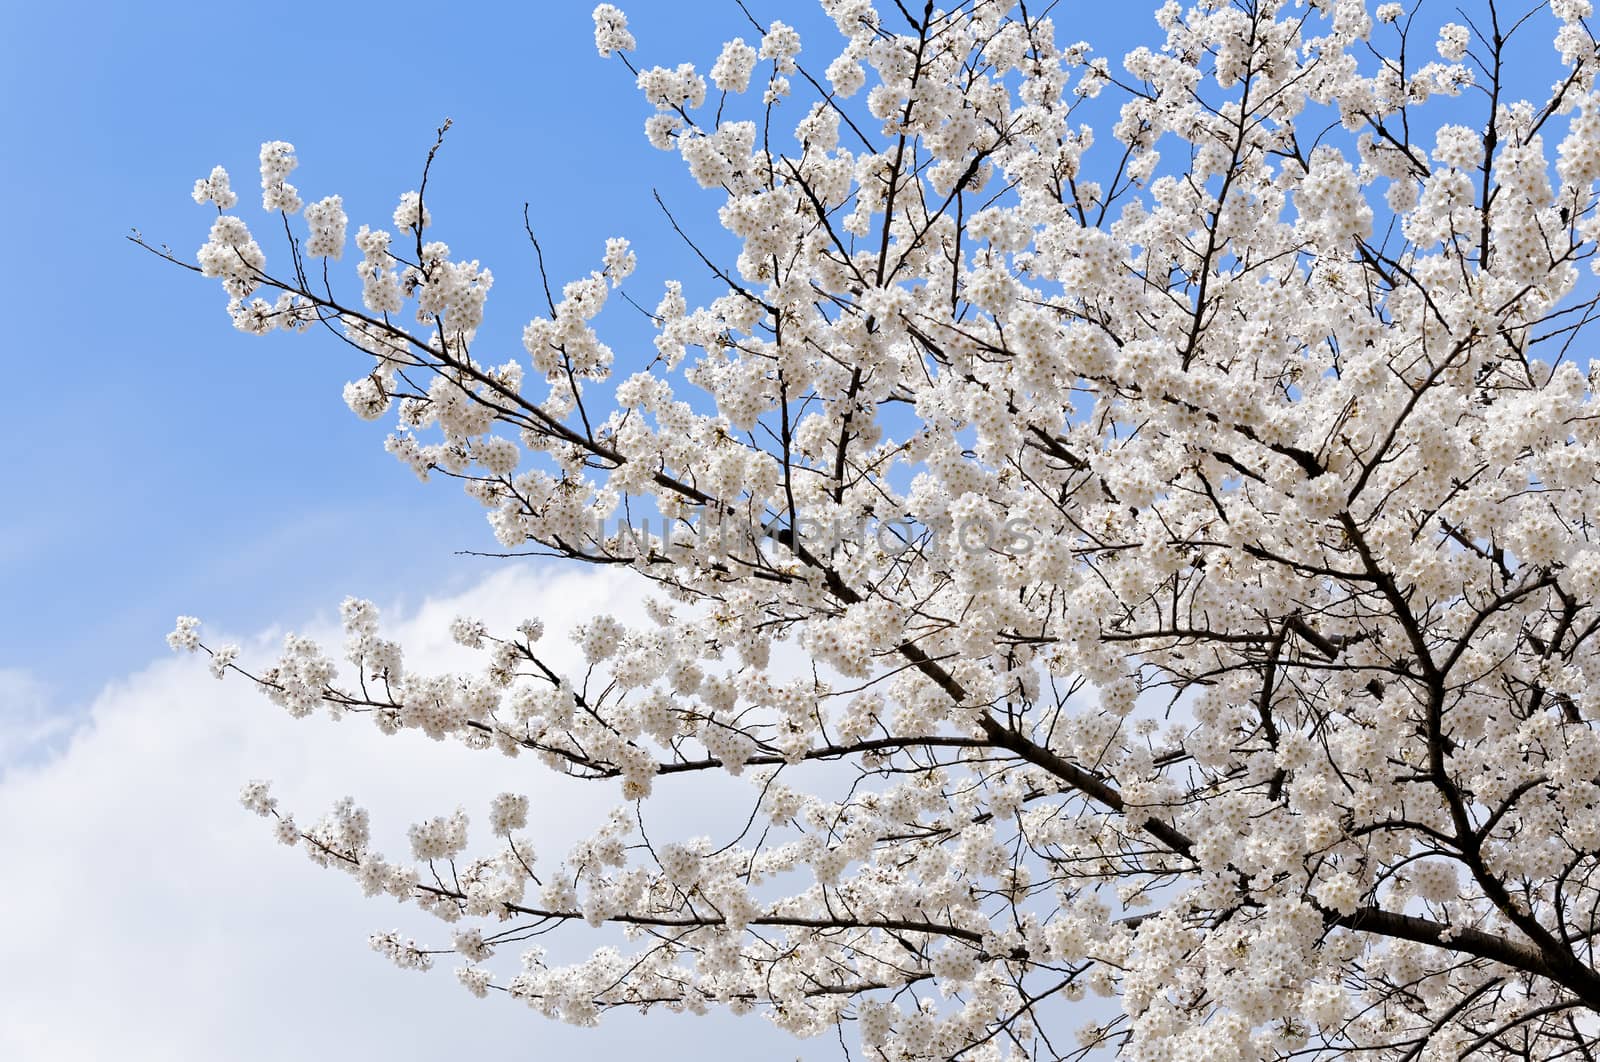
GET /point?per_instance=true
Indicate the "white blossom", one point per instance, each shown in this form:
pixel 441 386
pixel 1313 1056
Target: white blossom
pixel 1128 525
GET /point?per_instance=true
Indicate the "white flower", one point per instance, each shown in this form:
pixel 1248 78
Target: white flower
pixel 619 260
pixel 185 636
pixel 1340 892
pixel 611 31
pixel 277 162
pixel 1453 40
pixel 508 813
pixel 222 659
pixel 327 220
pixel 781 44
pixel 215 189
pixel 734 66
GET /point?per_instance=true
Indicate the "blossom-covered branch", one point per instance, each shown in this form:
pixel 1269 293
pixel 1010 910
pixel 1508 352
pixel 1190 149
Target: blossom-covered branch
pixel 1213 624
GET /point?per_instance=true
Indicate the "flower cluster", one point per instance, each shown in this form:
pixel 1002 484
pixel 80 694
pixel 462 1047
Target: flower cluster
pixel 327 220
pixel 277 162
pixel 1282 731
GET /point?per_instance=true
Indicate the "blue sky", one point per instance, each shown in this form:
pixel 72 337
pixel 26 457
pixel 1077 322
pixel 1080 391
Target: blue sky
pixel 162 463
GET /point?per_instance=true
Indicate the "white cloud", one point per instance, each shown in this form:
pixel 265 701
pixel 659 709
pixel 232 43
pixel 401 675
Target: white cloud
pixel 148 916
pixel 29 726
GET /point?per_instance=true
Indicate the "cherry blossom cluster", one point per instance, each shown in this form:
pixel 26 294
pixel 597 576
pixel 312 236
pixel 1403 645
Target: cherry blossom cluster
pixel 1282 731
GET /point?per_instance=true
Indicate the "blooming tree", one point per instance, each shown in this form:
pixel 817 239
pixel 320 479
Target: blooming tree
pixel 1185 525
